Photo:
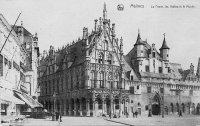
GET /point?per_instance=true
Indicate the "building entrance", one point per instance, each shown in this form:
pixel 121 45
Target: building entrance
pixel 156 105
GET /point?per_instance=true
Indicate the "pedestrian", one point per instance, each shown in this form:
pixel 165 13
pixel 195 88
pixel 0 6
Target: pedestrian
pixel 57 116
pixel 126 114
pixel 136 113
pixel 149 115
pixel 133 114
pixel 180 113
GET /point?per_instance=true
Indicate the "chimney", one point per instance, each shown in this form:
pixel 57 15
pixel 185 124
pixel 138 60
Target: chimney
pixel 85 32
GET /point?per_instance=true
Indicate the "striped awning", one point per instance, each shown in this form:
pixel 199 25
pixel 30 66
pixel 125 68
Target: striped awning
pixel 29 100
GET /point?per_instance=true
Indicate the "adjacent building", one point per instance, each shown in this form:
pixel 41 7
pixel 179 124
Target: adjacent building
pixel 93 77
pixel 17 73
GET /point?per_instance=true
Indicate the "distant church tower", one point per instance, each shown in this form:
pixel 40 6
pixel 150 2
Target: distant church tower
pixel 164 50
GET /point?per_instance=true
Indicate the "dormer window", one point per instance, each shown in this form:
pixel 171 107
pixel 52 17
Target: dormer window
pixel 131 77
pixel 154 54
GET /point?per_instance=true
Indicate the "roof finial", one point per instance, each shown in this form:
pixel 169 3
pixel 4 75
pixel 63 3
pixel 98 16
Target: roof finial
pixel 104 6
pixel 138 31
pixel 164 35
pixel 104 11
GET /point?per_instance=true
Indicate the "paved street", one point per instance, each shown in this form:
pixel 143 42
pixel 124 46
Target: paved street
pixel 159 121
pixel 71 121
pixel 140 121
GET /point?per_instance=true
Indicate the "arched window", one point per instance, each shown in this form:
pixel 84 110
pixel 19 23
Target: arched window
pixel 101 57
pixel 106 45
pixel 109 59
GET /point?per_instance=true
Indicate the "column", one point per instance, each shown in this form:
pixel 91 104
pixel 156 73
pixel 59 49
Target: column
pixel 61 105
pixel 81 107
pixel 103 105
pixel 88 107
pixel 70 108
pixel 52 106
pixel 75 108
pixel 94 107
pixel 111 107
pixel 120 107
pixel 129 112
pixel 64 105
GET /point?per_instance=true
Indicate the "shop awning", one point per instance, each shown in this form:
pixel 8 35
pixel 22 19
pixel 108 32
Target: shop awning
pixel 28 100
pixel 8 97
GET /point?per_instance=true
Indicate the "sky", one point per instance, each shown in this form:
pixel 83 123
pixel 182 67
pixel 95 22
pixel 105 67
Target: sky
pixel 59 22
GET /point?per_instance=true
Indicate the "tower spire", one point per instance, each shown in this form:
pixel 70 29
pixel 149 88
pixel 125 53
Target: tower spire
pixel 164 45
pixel 104 11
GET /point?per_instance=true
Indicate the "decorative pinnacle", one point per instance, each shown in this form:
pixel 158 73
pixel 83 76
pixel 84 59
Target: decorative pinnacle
pixel 164 35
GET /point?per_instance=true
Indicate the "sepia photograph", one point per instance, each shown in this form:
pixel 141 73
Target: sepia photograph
pixel 99 63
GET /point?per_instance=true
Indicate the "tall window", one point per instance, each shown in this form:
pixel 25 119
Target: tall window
pixel 100 58
pixel 101 79
pixel 53 85
pixel 106 45
pixel 147 68
pixel 160 69
pixel 49 86
pixel 62 85
pixel 161 90
pixel 77 81
pixel 109 60
pixel 92 79
pixel 148 89
pixel 191 92
pixel 58 86
pixel 132 90
pixel 1 65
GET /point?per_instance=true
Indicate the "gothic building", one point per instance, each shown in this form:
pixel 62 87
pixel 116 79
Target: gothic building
pixel 92 77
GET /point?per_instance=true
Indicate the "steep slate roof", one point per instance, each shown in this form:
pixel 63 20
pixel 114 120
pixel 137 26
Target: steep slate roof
pixel 164 45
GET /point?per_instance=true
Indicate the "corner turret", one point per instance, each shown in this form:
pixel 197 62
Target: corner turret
pixel 164 50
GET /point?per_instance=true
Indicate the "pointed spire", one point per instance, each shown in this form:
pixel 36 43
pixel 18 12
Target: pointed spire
pixel 139 40
pixel 104 11
pixel 164 45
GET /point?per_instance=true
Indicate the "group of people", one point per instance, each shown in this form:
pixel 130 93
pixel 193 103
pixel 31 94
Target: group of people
pixel 58 116
pixel 135 114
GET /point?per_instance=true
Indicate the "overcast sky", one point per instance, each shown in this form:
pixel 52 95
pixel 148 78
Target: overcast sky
pixel 59 22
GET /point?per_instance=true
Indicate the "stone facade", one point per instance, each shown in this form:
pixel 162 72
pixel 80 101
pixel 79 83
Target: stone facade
pixel 92 77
